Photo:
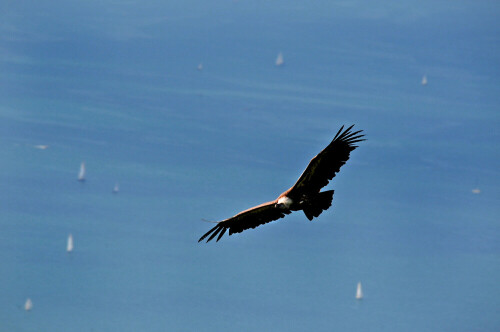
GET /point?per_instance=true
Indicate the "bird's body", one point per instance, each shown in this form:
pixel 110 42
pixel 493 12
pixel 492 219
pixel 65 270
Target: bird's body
pixel 305 194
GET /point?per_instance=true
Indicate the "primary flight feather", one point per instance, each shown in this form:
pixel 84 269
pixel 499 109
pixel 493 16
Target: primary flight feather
pixel 305 194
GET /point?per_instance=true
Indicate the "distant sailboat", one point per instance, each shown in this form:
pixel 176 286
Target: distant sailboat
pixel 359 292
pixel 200 67
pixel 424 80
pixel 476 191
pixel 116 189
pixel 69 246
pixel 41 147
pixel 28 305
pixel 81 174
pixel 279 60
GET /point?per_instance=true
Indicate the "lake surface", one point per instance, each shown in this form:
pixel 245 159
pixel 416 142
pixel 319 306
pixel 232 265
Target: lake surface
pixel 116 85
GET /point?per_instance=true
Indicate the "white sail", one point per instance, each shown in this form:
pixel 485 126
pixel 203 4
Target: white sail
pixel 116 189
pixel 81 174
pixel 424 80
pixel 28 305
pixel 279 59
pixel 69 246
pixel 359 292
pixel 200 67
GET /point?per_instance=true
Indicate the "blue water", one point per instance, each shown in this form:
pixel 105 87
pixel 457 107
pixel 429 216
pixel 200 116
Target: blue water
pixel 115 85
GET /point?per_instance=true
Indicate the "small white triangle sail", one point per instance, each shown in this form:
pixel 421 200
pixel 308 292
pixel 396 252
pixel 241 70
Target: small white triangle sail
pixel 424 80
pixel 81 173
pixel 28 305
pixel 279 59
pixel 69 246
pixel 359 292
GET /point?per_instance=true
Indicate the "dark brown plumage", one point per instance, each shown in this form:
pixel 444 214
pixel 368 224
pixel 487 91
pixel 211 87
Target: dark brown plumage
pixel 303 195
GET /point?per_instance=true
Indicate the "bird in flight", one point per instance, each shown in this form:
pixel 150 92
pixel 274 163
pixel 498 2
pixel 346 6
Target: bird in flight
pixel 305 194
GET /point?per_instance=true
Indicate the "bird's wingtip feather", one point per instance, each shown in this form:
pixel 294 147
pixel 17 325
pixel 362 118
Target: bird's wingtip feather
pixel 208 233
pixel 218 229
pixel 221 233
pixel 340 130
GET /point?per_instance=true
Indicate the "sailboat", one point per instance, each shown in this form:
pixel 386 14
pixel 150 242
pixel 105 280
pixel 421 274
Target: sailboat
pixel 279 59
pixel 28 305
pixel 359 292
pixel 116 189
pixel 424 80
pixel 81 174
pixel 200 67
pixel 476 191
pixel 69 246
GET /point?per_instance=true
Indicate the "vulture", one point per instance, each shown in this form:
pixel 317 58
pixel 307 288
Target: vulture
pixel 305 194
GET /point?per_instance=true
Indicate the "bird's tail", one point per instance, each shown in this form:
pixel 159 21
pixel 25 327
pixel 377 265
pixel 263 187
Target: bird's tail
pixel 318 204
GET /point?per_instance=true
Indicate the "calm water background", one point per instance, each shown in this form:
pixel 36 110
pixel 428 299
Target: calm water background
pixel 115 84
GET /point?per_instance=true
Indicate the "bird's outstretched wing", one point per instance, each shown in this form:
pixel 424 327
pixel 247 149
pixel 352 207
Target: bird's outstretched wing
pixel 327 163
pixel 251 218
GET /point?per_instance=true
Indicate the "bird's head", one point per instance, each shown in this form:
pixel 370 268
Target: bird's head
pixel 283 203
